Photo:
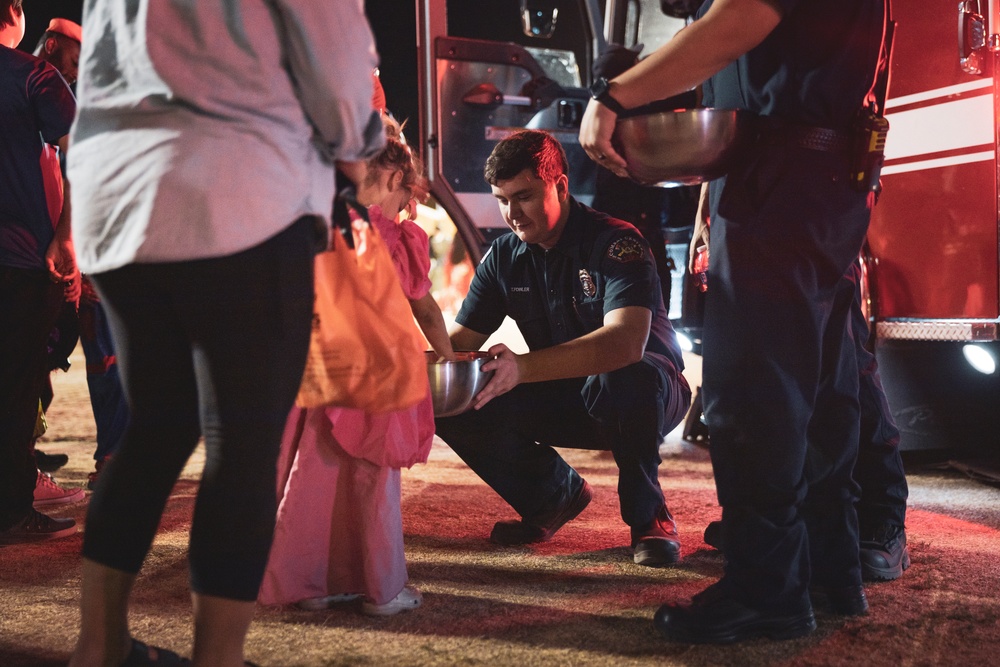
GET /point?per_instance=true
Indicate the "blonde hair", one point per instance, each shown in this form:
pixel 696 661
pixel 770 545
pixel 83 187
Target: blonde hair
pixel 397 155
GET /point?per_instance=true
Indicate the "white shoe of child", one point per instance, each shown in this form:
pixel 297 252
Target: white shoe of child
pixel 325 602
pixel 408 598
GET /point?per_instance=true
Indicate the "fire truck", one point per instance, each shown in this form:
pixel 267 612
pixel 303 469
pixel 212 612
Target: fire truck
pixel 932 254
pixel 932 259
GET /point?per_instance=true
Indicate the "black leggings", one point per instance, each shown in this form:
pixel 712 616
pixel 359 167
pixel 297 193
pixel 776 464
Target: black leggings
pixel 211 348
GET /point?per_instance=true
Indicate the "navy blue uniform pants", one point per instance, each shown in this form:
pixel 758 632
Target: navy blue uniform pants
pixel 780 373
pixel 509 442
pixel 211 348
pixel 879 470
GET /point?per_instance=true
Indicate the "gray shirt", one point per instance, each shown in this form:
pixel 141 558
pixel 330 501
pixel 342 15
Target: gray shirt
pixel 204 128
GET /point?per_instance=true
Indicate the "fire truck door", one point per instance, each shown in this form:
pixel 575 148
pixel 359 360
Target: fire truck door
pixel 483 89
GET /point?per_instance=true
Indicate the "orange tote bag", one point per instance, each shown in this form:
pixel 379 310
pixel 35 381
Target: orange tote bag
pixel 365 351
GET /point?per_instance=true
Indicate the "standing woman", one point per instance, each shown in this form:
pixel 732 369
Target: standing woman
pixel 204 151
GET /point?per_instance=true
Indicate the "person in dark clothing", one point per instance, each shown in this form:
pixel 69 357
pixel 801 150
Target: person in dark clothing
pixel 37 266
pixel 59 46
pixel 780 372
pixel 878 471
pixel 649 208
pixel 603 371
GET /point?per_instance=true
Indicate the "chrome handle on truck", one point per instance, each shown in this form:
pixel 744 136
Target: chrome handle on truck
pixel 971 37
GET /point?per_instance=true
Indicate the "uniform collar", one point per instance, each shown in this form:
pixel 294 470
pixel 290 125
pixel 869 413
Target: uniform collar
pixel 571 233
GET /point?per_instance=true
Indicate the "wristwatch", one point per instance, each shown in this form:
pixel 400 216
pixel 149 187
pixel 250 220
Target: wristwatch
pixel 600 90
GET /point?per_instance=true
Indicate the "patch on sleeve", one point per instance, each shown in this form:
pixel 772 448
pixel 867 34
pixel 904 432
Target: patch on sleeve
pixel 626 249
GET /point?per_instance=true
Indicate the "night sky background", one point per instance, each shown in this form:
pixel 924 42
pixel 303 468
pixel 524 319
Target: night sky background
pixel 392 21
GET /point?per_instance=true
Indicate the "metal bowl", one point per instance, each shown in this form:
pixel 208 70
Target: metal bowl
pixel 684 147
pixel 455 383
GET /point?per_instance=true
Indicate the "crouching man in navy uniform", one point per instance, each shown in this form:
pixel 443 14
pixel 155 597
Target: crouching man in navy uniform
pixel 603 370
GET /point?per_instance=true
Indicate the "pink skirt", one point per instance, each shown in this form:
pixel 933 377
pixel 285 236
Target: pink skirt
pixel 339 526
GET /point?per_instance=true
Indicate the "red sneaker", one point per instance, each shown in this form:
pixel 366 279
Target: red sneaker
pixel 47 492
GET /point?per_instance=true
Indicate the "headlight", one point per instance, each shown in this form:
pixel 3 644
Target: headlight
pixel 980 358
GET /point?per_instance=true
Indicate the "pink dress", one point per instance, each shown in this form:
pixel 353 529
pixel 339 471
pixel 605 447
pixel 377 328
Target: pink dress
pixel 339 525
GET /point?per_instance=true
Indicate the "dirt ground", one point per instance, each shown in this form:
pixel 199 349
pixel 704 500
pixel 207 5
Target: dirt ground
pixel 577 600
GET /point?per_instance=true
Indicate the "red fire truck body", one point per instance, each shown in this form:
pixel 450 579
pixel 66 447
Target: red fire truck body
pixel 932 261
pixel 933 264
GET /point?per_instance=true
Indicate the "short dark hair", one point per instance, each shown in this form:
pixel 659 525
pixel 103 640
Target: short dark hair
pixel 527 149
pixel 6 5
pixel 62 40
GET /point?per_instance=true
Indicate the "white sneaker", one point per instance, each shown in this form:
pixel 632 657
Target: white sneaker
pixel 325 602
pixel 408 598
pixel 47 492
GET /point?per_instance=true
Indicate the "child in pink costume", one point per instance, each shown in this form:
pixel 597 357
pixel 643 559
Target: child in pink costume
pixel 339 532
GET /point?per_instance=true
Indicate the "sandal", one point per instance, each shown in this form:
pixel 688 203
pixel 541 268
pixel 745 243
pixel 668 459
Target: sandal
pixel 139 656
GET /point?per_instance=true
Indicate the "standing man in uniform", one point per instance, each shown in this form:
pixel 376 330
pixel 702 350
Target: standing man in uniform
pixel 780 370
pixel 37 268
pixel 603 371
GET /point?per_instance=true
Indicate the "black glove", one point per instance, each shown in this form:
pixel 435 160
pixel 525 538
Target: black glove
pixel 680 9
pixel 542 91
pixel 615 59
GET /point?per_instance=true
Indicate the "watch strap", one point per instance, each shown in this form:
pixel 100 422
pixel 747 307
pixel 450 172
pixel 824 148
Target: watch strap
pixel 600 90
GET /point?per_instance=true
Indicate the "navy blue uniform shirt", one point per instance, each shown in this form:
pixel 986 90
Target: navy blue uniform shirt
pixel 600 264
pixel 801 74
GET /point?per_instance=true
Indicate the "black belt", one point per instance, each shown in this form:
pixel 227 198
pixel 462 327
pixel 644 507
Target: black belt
pixel 805 136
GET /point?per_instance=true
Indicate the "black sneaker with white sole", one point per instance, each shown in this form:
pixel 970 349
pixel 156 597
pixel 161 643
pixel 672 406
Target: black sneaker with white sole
pixel 50 462
pixel 37 527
